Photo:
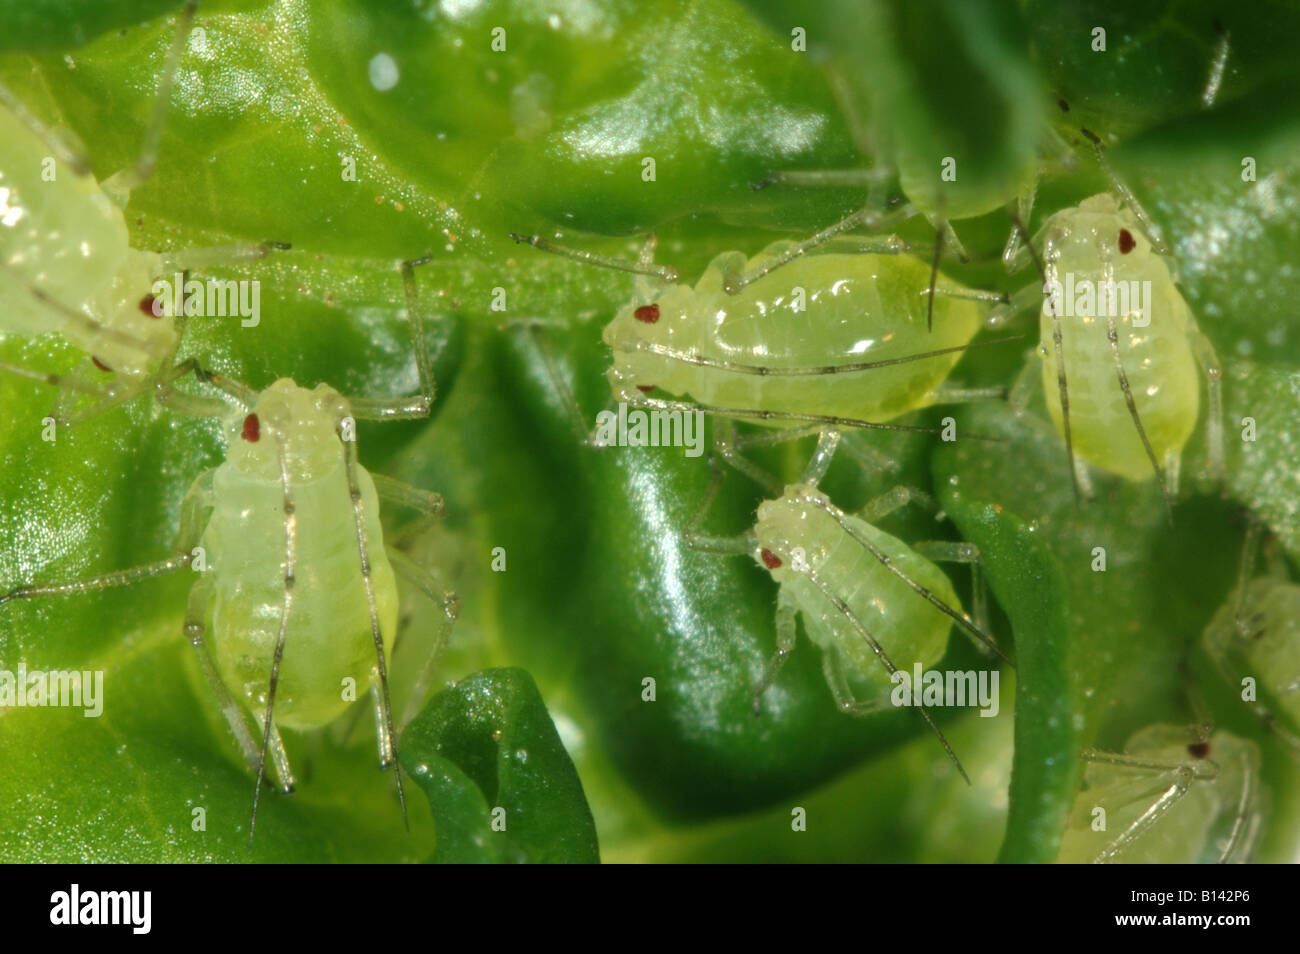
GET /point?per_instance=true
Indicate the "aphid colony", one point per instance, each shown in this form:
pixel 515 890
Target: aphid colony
pixel 1120 385
pixel 296 595
pixel 299 591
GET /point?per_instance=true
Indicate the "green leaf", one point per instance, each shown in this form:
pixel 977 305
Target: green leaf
pixel 488 746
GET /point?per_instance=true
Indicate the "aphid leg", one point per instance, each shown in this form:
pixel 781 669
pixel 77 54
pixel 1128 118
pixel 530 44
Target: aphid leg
pixel 1024 207
pixel 867 217
pixel 1245 820
pixel 1113 336
pixel 828 178
pixel 1179 783
pixel 428 582
pixel 431 508
pixel 636 399
pixel 74 157
pixel 1217 66
pixel 1026 299
pixel 820 462
pixel 664 273
pixel 71 382
pixel 1126 194
pixel 727 446
pixel 123 182
pixel 786 636
pixel 858 708
pixel 198 258
pixel 198 499
pixel 429 504
pixel 559 385
pixel 1026 384
pixel 383 705
pixel 196 612
pixel 741 545
pixel 405 408
pixel 286 608
pixel 1209 361
pixel 950 551
pixel 102 582
pixel 837 679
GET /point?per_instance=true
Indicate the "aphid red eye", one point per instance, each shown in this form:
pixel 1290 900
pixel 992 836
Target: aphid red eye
pixel 647 388
pixel 771 560
pixel 1199 750
pixel 252 429
pixel 1126 241
pixel 147 306
pixel 647 313
pixel 101 365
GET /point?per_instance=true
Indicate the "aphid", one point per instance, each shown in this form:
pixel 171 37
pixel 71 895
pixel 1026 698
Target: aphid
pixel 1174 796
pixel 297 592
pixel 838 340
pixel 876 606
pixel 1120 348
pixel 68 266
pixel 1254 641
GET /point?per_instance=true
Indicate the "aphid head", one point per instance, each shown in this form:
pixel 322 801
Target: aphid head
pixel 304 422
pixel 1098 229
pixel 793 533
pixel 670 321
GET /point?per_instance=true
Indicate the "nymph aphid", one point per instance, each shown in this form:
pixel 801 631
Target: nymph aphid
pixel 1254 641
pixel 1174 796
pixel 837 339
pixel 874 605
pixel 297 591
pixel 66 263
pixel 1120 348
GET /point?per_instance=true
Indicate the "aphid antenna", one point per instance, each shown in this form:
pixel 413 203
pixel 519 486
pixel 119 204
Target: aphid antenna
pixel 144 166
pixel 845 610
pixel 884 560
pixel 74 159
pixel 693 358
pixel 665 273
pixel 1112 335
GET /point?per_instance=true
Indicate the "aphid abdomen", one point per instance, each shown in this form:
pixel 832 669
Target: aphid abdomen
pixel 63 236
pixel 1192 828
pixel 329 637
pixel 822 311
pixel 910 630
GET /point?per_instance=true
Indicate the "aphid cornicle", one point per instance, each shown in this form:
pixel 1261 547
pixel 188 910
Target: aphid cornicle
pixel 1119 347
pixel 297 591
pixel 833 339
pixel 1173 796
pixel 1254 640
pixel 872 603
